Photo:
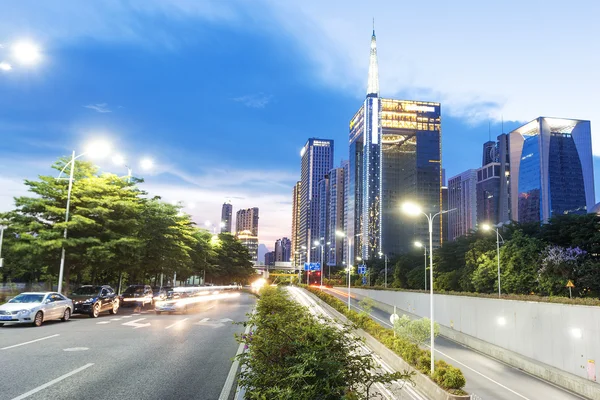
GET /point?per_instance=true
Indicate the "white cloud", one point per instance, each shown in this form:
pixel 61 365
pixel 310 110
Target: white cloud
pixel 100 107
pixel 259 100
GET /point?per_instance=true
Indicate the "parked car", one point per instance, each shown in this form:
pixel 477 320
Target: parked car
pixel 161 293
pixel 93 300
pixel 35 308
pixel 136 295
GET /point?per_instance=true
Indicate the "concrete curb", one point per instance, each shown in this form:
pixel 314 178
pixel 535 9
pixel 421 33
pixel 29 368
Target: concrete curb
pixel 425 385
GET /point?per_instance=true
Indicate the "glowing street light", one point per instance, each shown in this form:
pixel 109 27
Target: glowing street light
pixel 98 149
pixel 145 164
pixel 26 52
pixel 414 209
pixel 488 227
pixel 419 244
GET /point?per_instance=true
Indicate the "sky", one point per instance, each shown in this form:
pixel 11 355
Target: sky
pixel 222 95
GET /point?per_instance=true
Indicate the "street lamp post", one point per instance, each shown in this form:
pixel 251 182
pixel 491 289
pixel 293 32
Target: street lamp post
pixel 414 210
pixel 2 228
pixel 487 227
pixel 419 244
pixel 101 149
pixel 350 257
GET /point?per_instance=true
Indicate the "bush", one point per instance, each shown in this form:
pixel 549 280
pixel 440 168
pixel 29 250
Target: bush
pixel 292 355
pixel 446 376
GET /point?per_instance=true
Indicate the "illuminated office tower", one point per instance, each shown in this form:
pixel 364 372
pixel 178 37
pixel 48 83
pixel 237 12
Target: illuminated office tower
pixel 317 160
pixel 551 169
pixel 364 198
pixel 295 252
pixel 247 220
pixel 462 196
pixel 226 214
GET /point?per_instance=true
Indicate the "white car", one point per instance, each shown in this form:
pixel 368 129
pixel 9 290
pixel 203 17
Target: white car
pixel 35 308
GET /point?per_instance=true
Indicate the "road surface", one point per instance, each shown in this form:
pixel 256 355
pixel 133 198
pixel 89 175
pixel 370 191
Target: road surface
pixel 127 356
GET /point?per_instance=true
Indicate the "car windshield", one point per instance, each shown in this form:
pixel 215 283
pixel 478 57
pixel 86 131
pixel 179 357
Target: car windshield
pixel 27 298
pixel 86 290
pixel 134 289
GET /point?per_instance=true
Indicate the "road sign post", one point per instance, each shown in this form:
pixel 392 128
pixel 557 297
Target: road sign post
pixel 570 286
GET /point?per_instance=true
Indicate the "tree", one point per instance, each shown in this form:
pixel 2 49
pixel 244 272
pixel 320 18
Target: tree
pixel 417 331
pixel 558 266
pixel 232 260
pixel 519 259
pixel 485 276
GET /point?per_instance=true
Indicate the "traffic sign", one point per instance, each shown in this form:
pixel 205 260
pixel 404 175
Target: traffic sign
pixel 570 284
pixel 364 280
pixel 362 269
pixel 393 318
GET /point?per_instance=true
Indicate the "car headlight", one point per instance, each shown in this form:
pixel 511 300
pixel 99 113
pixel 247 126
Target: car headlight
pixel 90 300
pixel 22 312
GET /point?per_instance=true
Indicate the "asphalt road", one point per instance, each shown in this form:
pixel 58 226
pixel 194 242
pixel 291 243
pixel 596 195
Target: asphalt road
pixel 487 378
pixel 127 356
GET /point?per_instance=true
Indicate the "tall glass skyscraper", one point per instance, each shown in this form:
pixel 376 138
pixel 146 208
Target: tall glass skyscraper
pixel 226 217
pixel 462 196
pixel 317 160
pixel 365 205
pixel 412 157
pixel 551 169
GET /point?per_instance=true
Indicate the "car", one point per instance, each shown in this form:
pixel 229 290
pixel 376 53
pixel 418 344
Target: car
pixel 93 300
pixel 136 295
pixel 161 293
pixel 35 308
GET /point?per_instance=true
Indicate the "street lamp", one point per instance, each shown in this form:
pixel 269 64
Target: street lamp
pixel 419 244
pixel 350 257
pixel 2 228
pixel 488 227
pixel 145 164
pixel 414 210
pixel 320 243
pixel 99 149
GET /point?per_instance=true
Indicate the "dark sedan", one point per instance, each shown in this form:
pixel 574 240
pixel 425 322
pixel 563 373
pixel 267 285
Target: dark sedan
pixel 93 300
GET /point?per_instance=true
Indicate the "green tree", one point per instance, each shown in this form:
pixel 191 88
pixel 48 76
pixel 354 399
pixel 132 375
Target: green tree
pixel 485 276
pixel 417 331
pixel 232 261
pixel 520 259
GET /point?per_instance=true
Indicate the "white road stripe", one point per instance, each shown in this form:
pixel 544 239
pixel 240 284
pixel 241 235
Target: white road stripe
pixel 126 316
pixel 52 382
pixel 102 322
pixel 115 319
pixel 226 391
pixel 204 320
pixel 178 322
pixel 31 341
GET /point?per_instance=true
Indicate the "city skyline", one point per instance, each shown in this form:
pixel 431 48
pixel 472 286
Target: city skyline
pixel 203 166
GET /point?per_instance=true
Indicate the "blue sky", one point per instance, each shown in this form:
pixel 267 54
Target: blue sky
pixel 223 94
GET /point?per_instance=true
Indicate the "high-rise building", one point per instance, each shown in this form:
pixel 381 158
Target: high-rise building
pixel 226 214
pixel 283 249
pixel 250 241
pixel 296 197
pixel 247 220
pixel 551 169
pixel 445 207
pixel 411 172
pixel 323 209
pixel 270 258
pixel 365 205
pixel 462 196
pixel 317 160
pixel 335 217
pixel 345 165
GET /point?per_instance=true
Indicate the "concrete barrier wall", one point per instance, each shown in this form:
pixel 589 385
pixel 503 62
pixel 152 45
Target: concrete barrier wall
pixel 563 336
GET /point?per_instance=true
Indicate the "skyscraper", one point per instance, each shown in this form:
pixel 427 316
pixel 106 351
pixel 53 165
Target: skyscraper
pixel 462 195
pixel 365 197
pixel 411 171
pixel 247 220
pixel 324 198
pixel 317 160
pixel 551 169
pixel 226 214
pixel 335 217
pixel 250 241
pixel 282 250
pixel 296 197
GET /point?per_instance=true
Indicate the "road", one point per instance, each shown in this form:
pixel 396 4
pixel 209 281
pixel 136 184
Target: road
pixel 127 356
pixel 486 377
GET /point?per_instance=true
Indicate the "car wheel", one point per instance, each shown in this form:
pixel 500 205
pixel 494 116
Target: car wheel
pixel 95 310
pixel 1 324
pixel 66 315
pixel 39 319
pixel 114 308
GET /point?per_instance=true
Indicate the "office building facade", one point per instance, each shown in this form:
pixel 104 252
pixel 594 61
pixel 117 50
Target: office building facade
pixel 250 241
pixel 296 197
pixel 247 220
pixel 283 249
pixel 335 217
pixel 412 156
pixel 317 160
pixel 324 210
pixel 551 169
pixel 462 196
pixel 226 217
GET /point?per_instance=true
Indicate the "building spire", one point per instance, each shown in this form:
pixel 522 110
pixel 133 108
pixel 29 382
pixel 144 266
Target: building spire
pixel 373 84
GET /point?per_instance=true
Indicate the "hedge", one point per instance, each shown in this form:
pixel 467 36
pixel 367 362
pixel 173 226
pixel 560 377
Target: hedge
pixel 446 376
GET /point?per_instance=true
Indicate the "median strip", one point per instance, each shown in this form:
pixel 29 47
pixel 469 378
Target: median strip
pixel 31 341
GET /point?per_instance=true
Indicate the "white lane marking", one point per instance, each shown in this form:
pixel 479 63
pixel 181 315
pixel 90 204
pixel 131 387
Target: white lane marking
pixel 52 382
pixel 126 316
pixel 456 361
pixel 135 324
pixel 115 319
pixel 226 391
pixel 31 341
pixel 102 322
pixel 204 320
pixel 77 349
pixel 135 314
pixel 208 308
pixel 178 322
